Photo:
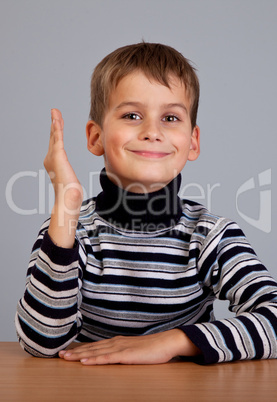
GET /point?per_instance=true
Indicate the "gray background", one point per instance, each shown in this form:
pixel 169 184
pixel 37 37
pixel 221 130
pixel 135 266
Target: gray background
pixel 48 51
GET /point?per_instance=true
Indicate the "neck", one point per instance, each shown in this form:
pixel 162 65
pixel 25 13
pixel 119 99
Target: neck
pixel 139 211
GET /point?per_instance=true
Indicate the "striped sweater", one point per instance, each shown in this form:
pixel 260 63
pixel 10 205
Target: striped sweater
pixel 143 264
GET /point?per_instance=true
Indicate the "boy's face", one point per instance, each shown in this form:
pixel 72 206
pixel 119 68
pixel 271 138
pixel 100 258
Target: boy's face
pixel 146 137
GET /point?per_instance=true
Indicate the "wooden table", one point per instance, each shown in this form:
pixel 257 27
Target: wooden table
pixel 26 378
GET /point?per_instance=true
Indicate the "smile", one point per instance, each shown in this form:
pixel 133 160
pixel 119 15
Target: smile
pixel 151 154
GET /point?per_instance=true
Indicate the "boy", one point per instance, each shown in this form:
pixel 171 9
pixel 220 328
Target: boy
pixel 136 269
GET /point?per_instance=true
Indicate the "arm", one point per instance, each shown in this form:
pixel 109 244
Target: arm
pixel 232 270
pixel 47 316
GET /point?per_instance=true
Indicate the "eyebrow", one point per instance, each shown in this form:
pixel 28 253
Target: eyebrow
pixel 180 105
pixel 123 104
pixel 166 105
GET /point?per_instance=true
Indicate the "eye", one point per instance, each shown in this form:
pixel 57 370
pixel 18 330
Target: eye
pixel 131 116
pixel 171 118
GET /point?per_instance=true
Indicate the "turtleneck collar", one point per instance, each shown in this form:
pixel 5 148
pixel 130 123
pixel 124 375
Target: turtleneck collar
pixel 139 212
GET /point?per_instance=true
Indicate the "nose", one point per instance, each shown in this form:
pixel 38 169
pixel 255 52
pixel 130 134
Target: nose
pixel 151 131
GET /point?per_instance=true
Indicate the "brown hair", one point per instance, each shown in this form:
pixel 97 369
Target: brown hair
pixel 155 60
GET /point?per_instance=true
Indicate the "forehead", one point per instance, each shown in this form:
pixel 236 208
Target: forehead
pixel 139 85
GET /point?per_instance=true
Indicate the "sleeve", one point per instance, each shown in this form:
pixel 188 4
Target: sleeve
pixel 229 266
pixel 48 317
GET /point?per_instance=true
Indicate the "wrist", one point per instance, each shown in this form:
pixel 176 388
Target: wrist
pixel 62 227
pixel 68 200
pixel 184 346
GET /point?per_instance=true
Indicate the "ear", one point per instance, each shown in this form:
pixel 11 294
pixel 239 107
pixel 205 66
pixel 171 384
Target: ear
pixel 94 142
pixel 195 144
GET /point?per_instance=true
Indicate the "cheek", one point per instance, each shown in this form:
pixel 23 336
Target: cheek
pixel 113 151
pixel 183 143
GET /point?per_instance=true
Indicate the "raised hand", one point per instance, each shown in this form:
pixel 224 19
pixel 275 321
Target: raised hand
pixel 68 190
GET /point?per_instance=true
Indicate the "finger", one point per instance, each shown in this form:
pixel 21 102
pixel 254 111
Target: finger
pixel 77 356
pixel 76 349
pixel 78 353
pixel 56 115
pixel 56 136
pixel 94 348
pixel 56 133
pixel 98 356
pixel 91 345
pixel 84 352
pixel 75 352
pixel 105 358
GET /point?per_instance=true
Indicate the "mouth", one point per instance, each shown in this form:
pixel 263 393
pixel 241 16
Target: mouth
pixel 151 154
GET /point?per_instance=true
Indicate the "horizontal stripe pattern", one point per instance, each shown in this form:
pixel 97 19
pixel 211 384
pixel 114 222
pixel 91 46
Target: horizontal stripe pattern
pixel 121 282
